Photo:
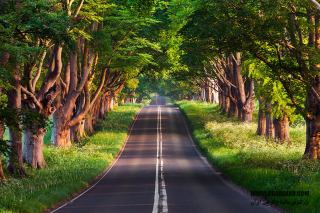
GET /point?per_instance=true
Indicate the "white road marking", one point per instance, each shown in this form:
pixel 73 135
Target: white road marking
pixel 163 191
pixel 160 197
pixel 156 184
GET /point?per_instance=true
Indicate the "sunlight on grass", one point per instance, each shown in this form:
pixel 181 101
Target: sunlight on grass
pixel 254 162
pixel 69 170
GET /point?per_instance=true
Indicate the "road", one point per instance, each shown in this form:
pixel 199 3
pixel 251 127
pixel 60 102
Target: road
pixel 160 170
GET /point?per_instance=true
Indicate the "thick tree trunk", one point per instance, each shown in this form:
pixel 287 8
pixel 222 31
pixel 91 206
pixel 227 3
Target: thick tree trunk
pixel 33 148
pixel 227 104
pixel 89 123
pixel 104 107
pixel 77 132
pixel 245 90
pixel 234 110
pixel 208 93
pixel 60 134
pixel 281 127
pixel 203 94
pixel 247 115
pixel 248 105
pixel 109 104
pixel 269 122
pixel 112 103
pixel 312 150
pixel 262 120
pixel 15 165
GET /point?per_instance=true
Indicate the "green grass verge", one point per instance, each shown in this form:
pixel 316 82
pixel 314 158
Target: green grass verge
pixel 253 162
pixel 69 170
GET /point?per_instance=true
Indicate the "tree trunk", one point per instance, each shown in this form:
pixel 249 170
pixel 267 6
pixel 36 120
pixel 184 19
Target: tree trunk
pixel 103 107
pixel 89 123
pixel 269 122
pixel 77 132
pixel 248 106
pixel 312 150
pixel 60 134
pixel 220 97
pixel 234 110
pixel 33 148
pixel 226 102
pixel 262 120
pixel 245 90
pixel 247 115
pixel 208 92
pixel 281 126
pixel 15 165
pixel 2 176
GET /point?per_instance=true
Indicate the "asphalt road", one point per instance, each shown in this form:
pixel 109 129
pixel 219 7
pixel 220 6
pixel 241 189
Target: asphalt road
pixel 160 170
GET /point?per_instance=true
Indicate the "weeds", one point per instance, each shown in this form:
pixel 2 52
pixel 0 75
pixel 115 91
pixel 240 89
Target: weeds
pixel 69 170
pixel 252 161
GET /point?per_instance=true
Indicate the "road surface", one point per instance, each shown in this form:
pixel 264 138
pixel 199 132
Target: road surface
pixel 160 170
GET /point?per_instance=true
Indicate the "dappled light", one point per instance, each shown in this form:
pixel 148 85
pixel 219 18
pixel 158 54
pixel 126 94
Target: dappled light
pixel 159 106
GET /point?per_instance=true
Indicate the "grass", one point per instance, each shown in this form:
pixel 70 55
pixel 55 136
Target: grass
pixel 253 162
pixel 69 170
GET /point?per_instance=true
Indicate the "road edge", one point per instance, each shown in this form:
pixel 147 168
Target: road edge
pixel 97 179
pixel 224 178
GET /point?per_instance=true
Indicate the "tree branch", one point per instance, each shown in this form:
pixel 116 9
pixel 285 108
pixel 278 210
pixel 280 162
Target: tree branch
pixel 316 4
pixel 31 95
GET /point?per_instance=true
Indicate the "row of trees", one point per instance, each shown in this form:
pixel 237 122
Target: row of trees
pixel 261 54
pixel 66 62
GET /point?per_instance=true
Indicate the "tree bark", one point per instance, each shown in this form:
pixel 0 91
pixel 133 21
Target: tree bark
pixel 89 123
pixel 15 165
pixel 245 91
pixel 234 110
pixel 60 134
pixel 248 105
pixel 269 122
pixel 226 101
pixel 281 128
pixel 77 132
pixel 262 119
pixel 33 148
pixel 312 150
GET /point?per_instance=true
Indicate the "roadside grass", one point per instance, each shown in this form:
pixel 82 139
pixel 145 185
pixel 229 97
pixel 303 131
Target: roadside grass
pixel 253 162
pixel 69 170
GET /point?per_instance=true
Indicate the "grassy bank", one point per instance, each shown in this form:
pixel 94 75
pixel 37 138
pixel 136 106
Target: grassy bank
pixel 253 162
pixel 69 170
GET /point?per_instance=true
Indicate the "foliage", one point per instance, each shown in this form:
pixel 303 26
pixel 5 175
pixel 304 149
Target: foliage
pixel 69 170
pixel 252 161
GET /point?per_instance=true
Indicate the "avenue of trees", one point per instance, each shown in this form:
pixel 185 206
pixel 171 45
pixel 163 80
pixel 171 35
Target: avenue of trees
pixel 248 55
pixel 66 63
